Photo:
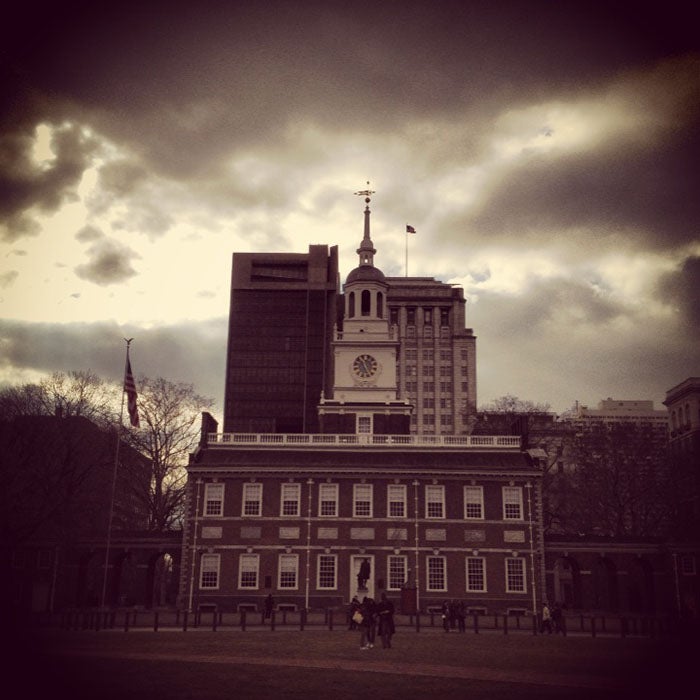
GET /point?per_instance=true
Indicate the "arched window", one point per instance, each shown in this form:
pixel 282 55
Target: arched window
pixel 351 304
pixel 380 305
pixel 366 302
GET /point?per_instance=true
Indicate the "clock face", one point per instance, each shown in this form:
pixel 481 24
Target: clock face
pixel 364 366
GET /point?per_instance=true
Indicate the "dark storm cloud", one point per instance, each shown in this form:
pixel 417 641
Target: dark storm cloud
pixel 644 191
pixel 23 185
pixel 188 352
pixel 184 87
pixel 682 289
pixel 109 262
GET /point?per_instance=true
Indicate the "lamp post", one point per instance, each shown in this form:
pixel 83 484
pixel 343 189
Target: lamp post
pixel 309 483
pixel 194 546
pixel 417 565
pixel 528 486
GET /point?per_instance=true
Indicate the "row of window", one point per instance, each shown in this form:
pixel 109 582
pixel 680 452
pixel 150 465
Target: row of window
pixel 429 387
pixel 363 501
pixel 327 573
pixel 429 370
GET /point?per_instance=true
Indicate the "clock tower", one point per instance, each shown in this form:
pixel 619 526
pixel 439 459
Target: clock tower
pixel 365 395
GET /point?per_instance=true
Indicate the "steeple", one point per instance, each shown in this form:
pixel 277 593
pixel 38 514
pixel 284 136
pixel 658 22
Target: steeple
pixel 366 250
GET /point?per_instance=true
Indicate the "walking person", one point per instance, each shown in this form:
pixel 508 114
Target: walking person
pixel 558 619
pixel 461 612
pixel 352 609
pixel 446 612
pixel 363 618
pixel 385 617
pixel 269 606
pixel 546 619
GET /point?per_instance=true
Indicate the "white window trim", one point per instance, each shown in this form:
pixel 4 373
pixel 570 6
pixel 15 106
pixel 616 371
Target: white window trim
pixel 389 559
pixel 334 489
pixel 212 558
pixel 208 488
pixel 512 490
pixel 355 488
pixel 427 573
pixel 480 490
pixel 483 572
pixel 252 486
pixel 294 488
pixel 249 557
pixel 435 488
pixel 401 488
pixel 524 567
pixel 334 587
pixel 291 558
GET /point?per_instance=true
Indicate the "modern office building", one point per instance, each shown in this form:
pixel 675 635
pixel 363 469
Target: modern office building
pixel 282 315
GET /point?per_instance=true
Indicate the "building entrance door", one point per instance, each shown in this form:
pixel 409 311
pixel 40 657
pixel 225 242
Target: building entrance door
pixel 361 576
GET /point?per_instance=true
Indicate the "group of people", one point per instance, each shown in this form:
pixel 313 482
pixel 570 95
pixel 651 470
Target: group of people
pixel 552 619
pixel 454 614
pixel 372 619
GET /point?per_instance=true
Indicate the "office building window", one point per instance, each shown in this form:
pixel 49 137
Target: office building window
pixel 248 566
pixel 411 353
pixel 290 500
pixel 411 316
pixel 328 500
pixel 428 354
pixel 437 574
pixel 428 370
pixel 428 402
pixel 209 571
pixel 396 501
pixel 434 501
pixel 446 387
pixel 446 355
pixel 474 502
pixel 252 499
pixel 362 500
pixel 444 317
pixel 213 499
pixel 476 576
pixel 427 316
pixel 397 572
pixel 288 571
pixel 515 575
pixel 429 387
pixel 512 503
pixel 326 574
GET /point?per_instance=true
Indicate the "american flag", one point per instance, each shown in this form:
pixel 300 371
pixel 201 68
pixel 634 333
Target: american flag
pixel 410 229
pixel 130 389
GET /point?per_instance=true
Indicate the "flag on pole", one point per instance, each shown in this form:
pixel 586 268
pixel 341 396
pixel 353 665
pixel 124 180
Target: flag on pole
pixel 130 389
pixel 410 229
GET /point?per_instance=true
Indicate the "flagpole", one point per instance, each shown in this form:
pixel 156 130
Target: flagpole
pixel 406 275
pixel 114 481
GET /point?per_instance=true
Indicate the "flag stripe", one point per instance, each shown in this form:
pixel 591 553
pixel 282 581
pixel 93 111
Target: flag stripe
pixel 130 389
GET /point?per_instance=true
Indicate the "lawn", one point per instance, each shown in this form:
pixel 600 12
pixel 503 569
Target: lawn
pixel 321 664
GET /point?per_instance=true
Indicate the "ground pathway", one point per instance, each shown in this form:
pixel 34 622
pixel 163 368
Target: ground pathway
pixel 370 664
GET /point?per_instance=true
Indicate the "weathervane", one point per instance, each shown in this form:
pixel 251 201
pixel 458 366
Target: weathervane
pixel 365 193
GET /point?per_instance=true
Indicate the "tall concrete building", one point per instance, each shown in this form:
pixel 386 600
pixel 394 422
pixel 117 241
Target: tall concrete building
pixel 282 315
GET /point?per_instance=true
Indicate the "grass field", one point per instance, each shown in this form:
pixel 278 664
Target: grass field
pixel 322 664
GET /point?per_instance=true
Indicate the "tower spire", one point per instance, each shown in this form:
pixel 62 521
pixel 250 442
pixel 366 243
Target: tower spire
pixel 366 250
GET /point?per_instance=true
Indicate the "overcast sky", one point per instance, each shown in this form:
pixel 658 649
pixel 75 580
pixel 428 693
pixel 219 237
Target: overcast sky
pixel 546 153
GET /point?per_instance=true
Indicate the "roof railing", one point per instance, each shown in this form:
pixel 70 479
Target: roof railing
pixel 318 440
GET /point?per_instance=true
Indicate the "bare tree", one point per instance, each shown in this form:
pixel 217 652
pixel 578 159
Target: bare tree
pixel 169 415
pixel 622 484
